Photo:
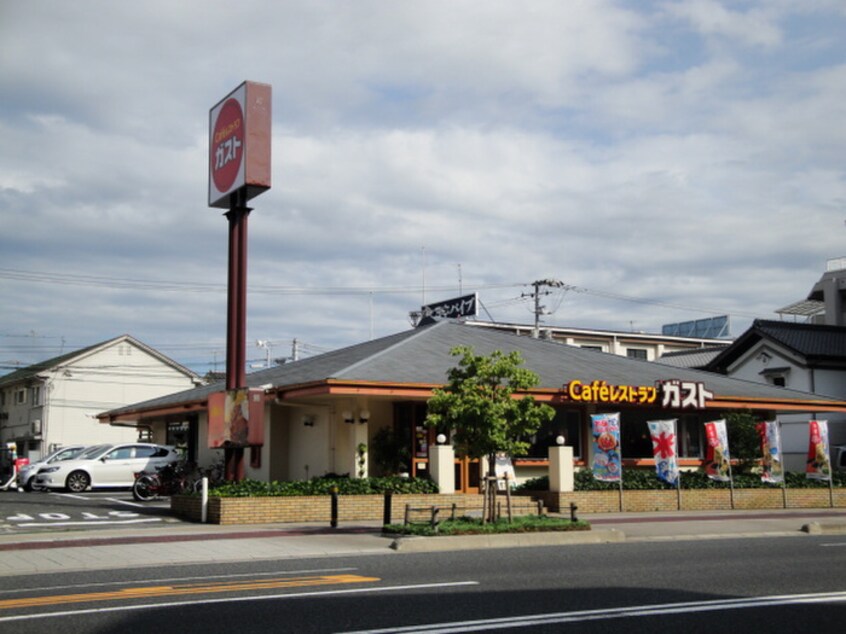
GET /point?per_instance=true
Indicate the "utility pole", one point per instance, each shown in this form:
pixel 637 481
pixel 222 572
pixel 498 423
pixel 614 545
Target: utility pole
pixel 536 295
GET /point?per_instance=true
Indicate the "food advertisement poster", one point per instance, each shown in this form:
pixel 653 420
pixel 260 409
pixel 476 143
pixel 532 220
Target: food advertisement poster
pixel 818 466
pixel 717 458
pixel 236 419
pixel 607 461
pixel 663 434
pixel 772 467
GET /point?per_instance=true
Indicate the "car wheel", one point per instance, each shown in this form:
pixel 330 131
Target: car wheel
pixel 28 484
pixel 78 481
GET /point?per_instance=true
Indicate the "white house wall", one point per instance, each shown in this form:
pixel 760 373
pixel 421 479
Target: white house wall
pixel 794 427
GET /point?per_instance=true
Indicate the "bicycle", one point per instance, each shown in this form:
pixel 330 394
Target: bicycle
pixel 172 479
pixel 215 473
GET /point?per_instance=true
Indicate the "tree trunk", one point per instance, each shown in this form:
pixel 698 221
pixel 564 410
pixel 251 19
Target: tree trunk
pixel 490 489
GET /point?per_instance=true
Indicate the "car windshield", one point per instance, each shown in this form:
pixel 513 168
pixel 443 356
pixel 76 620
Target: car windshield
pixel 65 454
pixel 93 452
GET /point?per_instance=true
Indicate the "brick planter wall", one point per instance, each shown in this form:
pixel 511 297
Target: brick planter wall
pixel 267 510
pixel 690 500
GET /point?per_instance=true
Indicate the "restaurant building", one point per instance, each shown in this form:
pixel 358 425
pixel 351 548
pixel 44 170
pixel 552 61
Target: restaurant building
pixel 330 414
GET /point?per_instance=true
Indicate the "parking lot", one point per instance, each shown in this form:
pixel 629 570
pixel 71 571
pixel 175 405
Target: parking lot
pixel 92 510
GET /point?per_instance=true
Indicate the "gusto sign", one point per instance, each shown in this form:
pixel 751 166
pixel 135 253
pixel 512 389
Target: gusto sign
pixel 227 150
pixel 239 144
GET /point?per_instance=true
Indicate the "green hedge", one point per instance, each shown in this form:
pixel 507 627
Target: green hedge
pixel 325 486
pixel 642 479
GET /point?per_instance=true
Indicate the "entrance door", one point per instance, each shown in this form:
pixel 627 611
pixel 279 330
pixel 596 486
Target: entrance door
pixel 466 475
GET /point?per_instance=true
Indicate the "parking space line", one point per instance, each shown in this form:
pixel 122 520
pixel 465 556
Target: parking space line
pixel 88 523
pixel 128 503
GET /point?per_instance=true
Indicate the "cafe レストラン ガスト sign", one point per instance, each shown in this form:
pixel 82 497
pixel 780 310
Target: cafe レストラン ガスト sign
pixel 669 394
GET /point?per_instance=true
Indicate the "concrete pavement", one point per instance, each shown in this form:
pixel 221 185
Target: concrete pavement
pixel 183 543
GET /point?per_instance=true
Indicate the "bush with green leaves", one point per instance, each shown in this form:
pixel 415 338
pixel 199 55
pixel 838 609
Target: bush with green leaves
pixel 475 526
pixel 325 486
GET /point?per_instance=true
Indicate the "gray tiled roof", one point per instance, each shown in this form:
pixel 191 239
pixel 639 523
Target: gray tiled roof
pixel 422 356
pixel 695 358
pixel 818 344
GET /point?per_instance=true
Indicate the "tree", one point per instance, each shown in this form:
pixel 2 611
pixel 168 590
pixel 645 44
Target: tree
pixel 744 440
pixel 480 408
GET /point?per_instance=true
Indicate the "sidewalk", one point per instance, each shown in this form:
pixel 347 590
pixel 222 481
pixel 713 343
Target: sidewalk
pixel 183 543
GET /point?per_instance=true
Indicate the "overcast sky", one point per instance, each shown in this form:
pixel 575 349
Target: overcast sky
pixel 670 160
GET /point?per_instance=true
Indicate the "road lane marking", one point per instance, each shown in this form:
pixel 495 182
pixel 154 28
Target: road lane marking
pixel 186 589
pixel 271 573
pixel 534 620
pixel 264 597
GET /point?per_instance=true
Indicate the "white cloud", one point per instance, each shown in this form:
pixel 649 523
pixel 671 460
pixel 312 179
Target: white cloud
pixel 688 153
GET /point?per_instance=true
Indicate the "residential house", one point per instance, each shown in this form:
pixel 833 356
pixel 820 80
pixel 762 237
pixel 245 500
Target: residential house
pixel 55 402
pixel 800 356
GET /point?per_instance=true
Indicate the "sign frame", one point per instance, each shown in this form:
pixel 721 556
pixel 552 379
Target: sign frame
pixel 239 144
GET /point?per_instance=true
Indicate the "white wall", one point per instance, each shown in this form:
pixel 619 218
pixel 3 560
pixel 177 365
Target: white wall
pixel 119 375
pixel 794 427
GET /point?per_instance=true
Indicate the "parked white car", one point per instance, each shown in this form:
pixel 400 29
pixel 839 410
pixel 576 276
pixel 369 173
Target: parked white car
pixel 111 466
pixel 27 474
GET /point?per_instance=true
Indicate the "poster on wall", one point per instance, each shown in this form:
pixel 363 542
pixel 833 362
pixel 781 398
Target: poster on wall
pixel 717 458
pixel 664 450
pixel 772 466
pixel 607 461
pixel 236 419
pixel 818 465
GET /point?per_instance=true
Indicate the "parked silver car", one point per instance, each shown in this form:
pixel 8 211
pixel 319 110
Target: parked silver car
pixel 27 474
pixel 111 466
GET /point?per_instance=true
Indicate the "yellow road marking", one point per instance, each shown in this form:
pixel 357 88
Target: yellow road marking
pixel 181 590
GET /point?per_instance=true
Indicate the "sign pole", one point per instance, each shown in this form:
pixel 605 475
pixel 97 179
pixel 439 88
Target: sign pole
pixel 239 169
pixel 236 323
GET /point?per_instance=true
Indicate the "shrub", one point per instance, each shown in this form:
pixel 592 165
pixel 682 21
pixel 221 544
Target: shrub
pixel 474 526
pixel 325 486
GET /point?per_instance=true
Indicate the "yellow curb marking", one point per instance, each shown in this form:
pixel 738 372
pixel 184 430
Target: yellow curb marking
pixel 181 590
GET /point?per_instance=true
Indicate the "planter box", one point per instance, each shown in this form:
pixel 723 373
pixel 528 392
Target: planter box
pixel 270 510
pixel 318 508
pixel 690 500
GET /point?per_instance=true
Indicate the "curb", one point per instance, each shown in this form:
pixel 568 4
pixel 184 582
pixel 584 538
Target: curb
pixel 815 528
pixel 505 540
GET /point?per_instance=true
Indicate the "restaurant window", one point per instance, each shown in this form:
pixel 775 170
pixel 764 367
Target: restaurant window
pixel 567 423
pixel 411 431
pixel 183 436
pixel 690 436
pixel 636 441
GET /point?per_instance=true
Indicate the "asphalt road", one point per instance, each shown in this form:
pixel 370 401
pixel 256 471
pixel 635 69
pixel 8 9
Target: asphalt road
pixel 45 512
pixel 786 584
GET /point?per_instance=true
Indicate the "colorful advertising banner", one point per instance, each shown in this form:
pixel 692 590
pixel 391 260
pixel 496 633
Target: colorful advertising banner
pixel 818 466
pixel 607 461
pixel 772 467
pixel 717 458
pixel 236 418
pixel 663 433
